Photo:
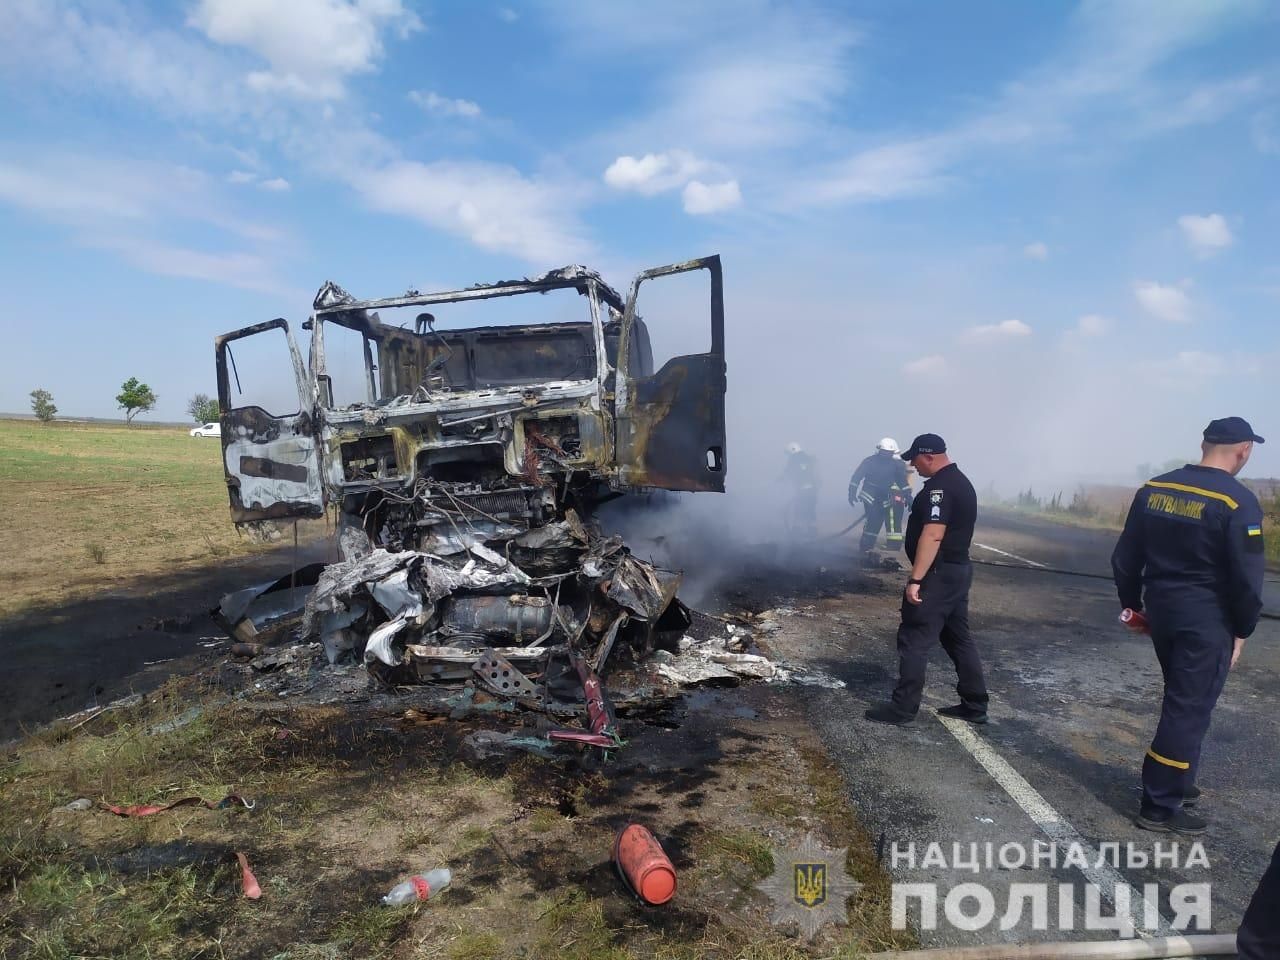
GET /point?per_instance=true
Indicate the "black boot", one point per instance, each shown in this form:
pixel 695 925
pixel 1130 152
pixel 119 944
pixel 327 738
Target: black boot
pixel 888 713
pixel 961 712
pixel 1161 820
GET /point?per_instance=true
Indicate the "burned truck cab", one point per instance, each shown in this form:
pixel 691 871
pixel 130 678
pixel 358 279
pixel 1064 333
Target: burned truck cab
pixel 453 419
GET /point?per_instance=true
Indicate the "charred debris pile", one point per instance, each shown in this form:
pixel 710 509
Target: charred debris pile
pixel 531 622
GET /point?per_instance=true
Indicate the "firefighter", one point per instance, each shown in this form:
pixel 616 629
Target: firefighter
pixel 880 486
pixel 1192 552
pixel 801 474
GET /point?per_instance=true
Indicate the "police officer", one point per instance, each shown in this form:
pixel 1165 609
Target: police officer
pixel 1259 936
pixel 880 485
pixel 1192 552
pixel 935 604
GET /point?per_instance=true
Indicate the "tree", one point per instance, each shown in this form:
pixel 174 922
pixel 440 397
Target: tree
pixel 135 398
pixel 42 405
pixel 203 408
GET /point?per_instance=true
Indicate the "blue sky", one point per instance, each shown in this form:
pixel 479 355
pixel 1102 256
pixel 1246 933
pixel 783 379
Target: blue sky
pixel 1049 231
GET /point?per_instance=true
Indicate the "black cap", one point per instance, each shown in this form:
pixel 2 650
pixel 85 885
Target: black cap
pixel 925 443
pixel 1230 430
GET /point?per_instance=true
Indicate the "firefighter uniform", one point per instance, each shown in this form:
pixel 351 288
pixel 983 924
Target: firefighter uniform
pixel 1259 936
pixel 801 474
pixel 1191 554
pixel 880 485
pixel 943 613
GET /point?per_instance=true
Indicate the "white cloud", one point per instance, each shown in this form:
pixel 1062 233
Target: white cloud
pixel 103 50
pixel 880 173
pixel 700 198
pixel 124 206
pixel 1036 251
pixel 1092 325
pixel 247 271
pixel 1006 328
pixel 768 81
pixel 432 102
pixel 493 206
pixel 1189 364
pixel 507 15
pixel 1205 104
pixel 925 366
pixel 241 176
pixel 275 184
pixel 1167 303
pixel 1206 235
pixel 1101 82
pixel 311 46
pixel 654 172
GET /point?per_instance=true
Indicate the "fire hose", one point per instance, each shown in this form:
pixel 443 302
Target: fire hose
pixel 1157 948
pixel 1076 573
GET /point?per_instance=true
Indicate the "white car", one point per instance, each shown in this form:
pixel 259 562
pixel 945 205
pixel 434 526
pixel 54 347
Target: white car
pixel 208 430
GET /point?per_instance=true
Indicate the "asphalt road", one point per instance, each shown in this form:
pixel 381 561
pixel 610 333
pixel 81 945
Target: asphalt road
pixel 1075 699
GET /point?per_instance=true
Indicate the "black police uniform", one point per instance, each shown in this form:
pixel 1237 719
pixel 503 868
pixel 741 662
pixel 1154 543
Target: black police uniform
pixel 943 613
pixel 884 494
pixel 1259 936
pixel 1192 554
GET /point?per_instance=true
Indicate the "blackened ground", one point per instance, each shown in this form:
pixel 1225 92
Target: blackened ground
pixel 61 659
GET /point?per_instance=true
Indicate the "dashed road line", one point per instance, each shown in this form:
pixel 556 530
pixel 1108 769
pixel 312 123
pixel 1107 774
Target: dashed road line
pixel 1011 556
pixel 1105 877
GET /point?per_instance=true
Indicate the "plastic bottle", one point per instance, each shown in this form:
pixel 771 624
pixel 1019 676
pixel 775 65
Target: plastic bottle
pixel 422 886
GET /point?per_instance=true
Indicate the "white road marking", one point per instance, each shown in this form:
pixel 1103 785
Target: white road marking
pixel 1101 874
pixel 1011 556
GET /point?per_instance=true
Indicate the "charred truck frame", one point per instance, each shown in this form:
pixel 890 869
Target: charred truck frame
pixel 461 421
pixel 472 466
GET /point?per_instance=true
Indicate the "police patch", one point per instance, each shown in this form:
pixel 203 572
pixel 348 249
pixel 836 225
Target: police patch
pixel 935 496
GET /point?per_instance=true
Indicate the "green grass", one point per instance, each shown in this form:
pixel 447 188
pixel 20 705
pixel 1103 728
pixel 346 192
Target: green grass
pixel 346 807
pixel 93 505
pixel 741 845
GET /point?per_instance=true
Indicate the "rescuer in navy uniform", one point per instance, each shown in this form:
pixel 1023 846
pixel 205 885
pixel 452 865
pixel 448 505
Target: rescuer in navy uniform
pixel 935 604
pixel 1192 553
pixel 1259 936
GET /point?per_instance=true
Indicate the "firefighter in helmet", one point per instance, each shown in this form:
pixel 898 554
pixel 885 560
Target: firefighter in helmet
pixel 880 485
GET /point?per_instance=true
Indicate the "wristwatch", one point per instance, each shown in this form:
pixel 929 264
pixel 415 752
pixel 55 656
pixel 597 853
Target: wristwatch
pixel 915 581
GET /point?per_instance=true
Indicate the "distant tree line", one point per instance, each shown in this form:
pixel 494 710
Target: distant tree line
pixel 135 397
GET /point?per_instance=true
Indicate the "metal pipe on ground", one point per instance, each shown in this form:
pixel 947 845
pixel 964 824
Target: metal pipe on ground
pixel 1157 948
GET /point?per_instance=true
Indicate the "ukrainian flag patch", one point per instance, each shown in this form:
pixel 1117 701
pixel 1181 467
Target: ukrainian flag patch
pixel 1254 529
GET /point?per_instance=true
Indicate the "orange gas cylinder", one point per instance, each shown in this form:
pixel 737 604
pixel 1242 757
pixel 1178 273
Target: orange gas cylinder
pixel 644 865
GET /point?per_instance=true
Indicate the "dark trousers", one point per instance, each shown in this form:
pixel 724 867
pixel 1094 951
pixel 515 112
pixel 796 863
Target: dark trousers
pixel 1259 936
pixel 943 616
pixel 876 517
pixel 1194 659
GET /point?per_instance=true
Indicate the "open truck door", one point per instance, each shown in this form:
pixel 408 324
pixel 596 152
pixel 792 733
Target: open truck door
pixel 671 424
pixel 271 461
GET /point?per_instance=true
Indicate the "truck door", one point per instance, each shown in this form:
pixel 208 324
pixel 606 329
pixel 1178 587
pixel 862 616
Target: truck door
pixel 671 424
pixel 271 460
